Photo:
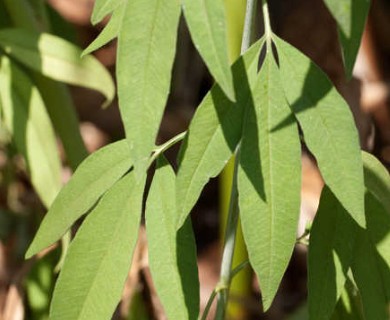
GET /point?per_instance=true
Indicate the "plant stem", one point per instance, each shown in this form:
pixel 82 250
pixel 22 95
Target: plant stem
pixel 232 220
pixel 267 23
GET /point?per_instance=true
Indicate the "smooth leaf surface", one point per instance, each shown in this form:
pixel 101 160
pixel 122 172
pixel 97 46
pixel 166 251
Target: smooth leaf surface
pixel 25 117
pixel 349 306
pixel 180 300
pixel 103 8
pixel 146 50
pixel 328 127
pixel 57 59
pixel 269 179
pixel 372 279
pixel 207 24
pixel 213 134
pixel 351 17
pixel 109 32
pixel 331 252
pixel 377 179
pixel 91 281
pixel 91 180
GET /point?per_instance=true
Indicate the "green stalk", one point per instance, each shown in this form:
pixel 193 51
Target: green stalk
pixel 232 219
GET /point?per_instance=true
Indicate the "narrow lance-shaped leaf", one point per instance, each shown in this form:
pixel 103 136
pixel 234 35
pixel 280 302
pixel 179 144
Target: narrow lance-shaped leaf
pixel 146 50
pixel 57 59
pixel 351 17
pixel 377 179
pixel 92 278
pixel 26 119
pixel 269 179
pixel 180 299
pixel 331 252
pixel 213 134
pixel 207 24
pixel 109 32
pixel 328 127
pixel 103 8
pixel 91 180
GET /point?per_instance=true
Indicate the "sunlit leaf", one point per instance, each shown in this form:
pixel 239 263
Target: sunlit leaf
pixel 57 59
pixel 180 300
pixel 94 177
pixel 103 8
pixel 146 50
pixel 351 17
pixel 26 118
pixel 109 32
pixel 207 24
pixel 328 127
pixel 213 134
pixel 91 281
pixel 269 179
pixel 331 253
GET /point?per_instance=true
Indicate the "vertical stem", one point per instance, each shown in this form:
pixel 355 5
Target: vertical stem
pixel 267 23
pixel 232 221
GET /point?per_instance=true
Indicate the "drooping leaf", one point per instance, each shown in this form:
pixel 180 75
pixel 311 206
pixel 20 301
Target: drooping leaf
pixel 349 306
pixel 372 276
pixel 109 32
pixel 377 179
pixel 351 17
pixel 26 118
pixel 207 24
pixel 331 252
pixel 90 181
pixel 269 179
pixel 328 127
pixel 180 300
pixel 103 8
pixel 57 59
pixel 213 134
pixel 146 50
pixel 92 278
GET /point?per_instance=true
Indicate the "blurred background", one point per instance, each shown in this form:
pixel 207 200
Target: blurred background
pixel 26 286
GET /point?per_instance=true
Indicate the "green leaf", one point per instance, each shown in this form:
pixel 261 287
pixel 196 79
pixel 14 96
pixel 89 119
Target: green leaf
pixel 331 252
pixel 91 180
pixel 351 17
pixel 109 32
pixel 207 24
pixel 269 180
pixel 57 59
pixel 372 277
pixel 91 281
pixel 213 134
pixel 349 306
pixel 103 8
pixel 377 179
pixel 146 50
pixel 163 248
pixel 26 118
pixel 328 127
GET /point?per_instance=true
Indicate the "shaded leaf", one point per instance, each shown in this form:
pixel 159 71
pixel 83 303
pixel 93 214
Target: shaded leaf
pixel 146 50
pixel 57 59
pixel 91 180
pixel 207 24
pixel 213 134
pixel 377 179
pixel 351 17
pixel 103 8
pixel 328 127
pixel 163 245
pixel 349 306
pixel 109 32
pixel 331 252
pixel 91 281
pixel 269 179
pixel 26 118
